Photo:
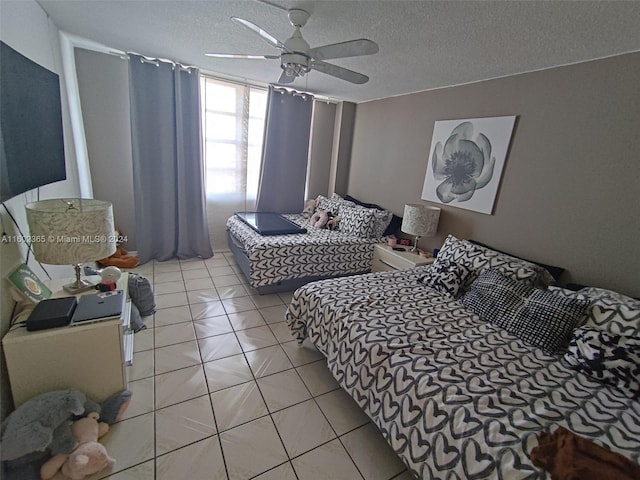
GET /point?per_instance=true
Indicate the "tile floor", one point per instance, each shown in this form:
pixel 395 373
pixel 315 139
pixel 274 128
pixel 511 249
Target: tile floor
pixel 221 390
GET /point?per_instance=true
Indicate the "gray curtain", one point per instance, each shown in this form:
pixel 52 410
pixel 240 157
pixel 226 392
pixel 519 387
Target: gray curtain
pixel 168 168
pixel 285 152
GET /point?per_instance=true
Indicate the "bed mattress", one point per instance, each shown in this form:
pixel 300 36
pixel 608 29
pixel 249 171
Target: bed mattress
pixel 316 253
pixel 454 396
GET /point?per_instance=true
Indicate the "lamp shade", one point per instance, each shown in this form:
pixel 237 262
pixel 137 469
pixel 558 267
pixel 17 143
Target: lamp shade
pixel 420 220
pixel 71 231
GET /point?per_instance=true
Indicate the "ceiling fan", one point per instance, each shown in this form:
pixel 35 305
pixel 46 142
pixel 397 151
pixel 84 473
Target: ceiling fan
pixel 297 58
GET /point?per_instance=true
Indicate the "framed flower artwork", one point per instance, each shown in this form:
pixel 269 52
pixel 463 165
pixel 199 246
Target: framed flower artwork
pixel 466 161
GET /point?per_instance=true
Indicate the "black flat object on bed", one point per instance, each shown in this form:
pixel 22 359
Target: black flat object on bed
pixel 269 223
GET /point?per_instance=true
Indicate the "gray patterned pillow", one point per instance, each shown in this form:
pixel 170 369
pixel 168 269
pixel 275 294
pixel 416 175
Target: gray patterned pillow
pixel 608 310
pixel 328 205
pixel 538 317
pixel 477 259
pixel 613 359
pixel 357 221
pixel 445 277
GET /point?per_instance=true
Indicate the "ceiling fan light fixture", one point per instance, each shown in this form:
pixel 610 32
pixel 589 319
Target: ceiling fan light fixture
pixel 295 64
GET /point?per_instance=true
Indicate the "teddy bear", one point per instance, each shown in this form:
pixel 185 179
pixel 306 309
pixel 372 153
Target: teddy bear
pixel 88 457
pixel 309 207
pixel 319 219
pixel 334 222
pixel 121 257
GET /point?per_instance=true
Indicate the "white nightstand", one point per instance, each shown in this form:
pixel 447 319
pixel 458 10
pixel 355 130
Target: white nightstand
pixel 385 259
pixel 91 358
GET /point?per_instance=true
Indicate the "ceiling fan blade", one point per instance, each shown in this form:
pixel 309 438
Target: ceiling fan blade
pixel 284 78
pixel 266 36
pixel 339 72
pixel 242 56
pixel 352 48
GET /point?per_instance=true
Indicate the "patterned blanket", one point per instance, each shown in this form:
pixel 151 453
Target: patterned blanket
pixel 454 396
pixel 317 253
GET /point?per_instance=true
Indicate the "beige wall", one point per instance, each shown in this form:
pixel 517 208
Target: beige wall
pixel 569 190
pixel 103 81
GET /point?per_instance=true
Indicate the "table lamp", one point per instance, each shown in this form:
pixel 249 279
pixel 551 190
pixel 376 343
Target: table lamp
pixel 420 221
pixel 71 231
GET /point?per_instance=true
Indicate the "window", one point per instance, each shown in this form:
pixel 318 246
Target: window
pixel 233 119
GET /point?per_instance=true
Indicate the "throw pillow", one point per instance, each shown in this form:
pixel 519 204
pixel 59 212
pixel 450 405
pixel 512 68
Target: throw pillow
pixel 445 277
pixel 538 317
pixel 612 359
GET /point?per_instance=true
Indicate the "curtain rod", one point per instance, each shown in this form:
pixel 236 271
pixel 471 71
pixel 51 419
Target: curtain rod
pixel 154 61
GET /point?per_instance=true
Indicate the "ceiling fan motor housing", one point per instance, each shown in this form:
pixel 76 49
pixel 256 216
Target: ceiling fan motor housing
pixel 295 64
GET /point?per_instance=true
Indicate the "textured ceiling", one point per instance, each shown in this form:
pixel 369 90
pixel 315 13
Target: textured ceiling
pixel 423 44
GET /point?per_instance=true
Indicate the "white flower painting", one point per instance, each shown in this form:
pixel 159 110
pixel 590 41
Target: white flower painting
pixel 466 161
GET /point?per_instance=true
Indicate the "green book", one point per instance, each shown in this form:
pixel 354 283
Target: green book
pixel 29 284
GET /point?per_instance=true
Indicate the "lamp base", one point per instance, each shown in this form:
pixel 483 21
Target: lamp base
pixel 79 285
pixel 415 245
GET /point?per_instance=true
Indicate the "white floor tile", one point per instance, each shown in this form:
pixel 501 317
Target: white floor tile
pixel 237 304
pixel 167 277
pixel 252 448
pixel 301 354
pixel 174 333
pixel 302 427
pixel 327 462
pixel 212 308
pixel 168 316
pixel 227 372
pixel 282 390
pixel 131 441
pixel 342 411
pixel 175 357
pixel 282 472
pixel 198 284
pixel 237 405
pixel 317 377
pixel 142 400
pixel 183 423
pixel 274 314
pixel 208 327
pixel 254 338
pixel 180 385
pixel 282 332
pixel 267 361
pixel 195 274
pixel 201 460
pixel 202 296
pixel 246 319
pixel 373 456
pixel 169 300
pixel 169 287
pixel 220 346
pixel 144 471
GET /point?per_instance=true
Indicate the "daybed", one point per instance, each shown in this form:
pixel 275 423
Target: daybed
pixel 462 395
pixel 275 263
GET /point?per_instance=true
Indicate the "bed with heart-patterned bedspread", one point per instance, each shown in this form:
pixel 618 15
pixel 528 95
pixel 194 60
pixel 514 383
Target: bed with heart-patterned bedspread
pixel 318 253
pixel 456 397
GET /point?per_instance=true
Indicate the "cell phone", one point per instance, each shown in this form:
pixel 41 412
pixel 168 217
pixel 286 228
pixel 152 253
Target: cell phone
pixel 399 249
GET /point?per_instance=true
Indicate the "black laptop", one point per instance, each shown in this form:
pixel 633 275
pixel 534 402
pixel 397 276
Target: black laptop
pixel 268 223
pixel 98 306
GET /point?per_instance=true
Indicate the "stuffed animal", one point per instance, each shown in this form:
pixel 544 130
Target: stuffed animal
pixel 42 426
pixel 319 219
pixel 334 222
pixel 121 257
pixel 88 456
pixel 309 207
pixel 30 428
